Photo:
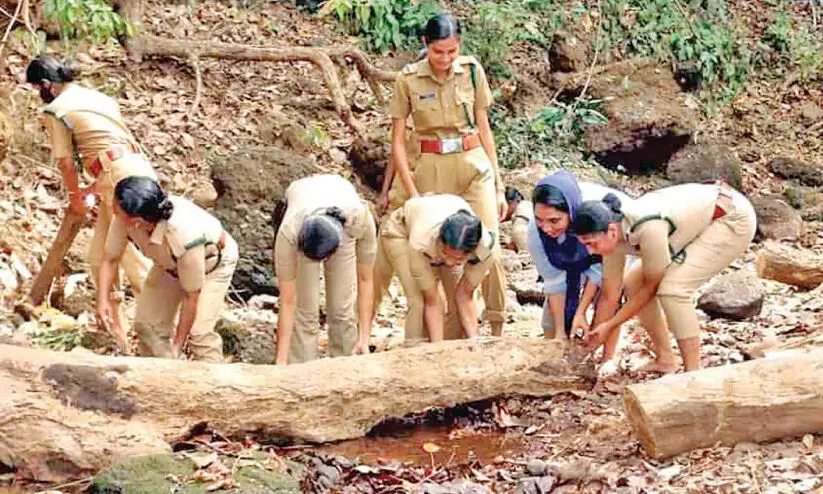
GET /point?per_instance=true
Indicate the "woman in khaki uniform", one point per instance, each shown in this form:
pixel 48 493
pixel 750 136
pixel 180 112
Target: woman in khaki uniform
pixel 430 239
pixel 87 124
pixel 194 261
pixel 683 235
pixel 326 222
pixel 448 97
pixel 520 212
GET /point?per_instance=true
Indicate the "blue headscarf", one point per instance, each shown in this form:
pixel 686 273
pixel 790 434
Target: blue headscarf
pixel 569 255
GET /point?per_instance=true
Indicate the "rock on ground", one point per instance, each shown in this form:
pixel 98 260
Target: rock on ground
pixel 251 186
pixel 648 119
pixel 568 53
pixel 177 473
pixel 776 219
pixel 704 163
pixel 738 296
pixel 248 335
pixel 805 173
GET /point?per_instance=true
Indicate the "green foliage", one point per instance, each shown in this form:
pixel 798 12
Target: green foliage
pixel 35 42
pixel 61 341
pixel 792 46
pixel 92 20
pixel 523 140
pixel 383 24
pixel 497 25
pixel 698 33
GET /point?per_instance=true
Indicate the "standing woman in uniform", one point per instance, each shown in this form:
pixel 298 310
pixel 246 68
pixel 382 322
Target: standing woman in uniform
pixel 448 98
pixel 327 225
pixel 86 125
pixel 683 236
pixel 194 261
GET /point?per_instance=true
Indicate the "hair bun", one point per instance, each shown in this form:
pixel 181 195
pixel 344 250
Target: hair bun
pixel 613 202
pixel 337 214
pixel 165 208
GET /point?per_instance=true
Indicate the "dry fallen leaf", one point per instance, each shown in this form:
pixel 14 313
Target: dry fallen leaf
pixel 431 447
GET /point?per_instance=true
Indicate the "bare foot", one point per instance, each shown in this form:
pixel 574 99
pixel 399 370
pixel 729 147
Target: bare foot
pixel 659 367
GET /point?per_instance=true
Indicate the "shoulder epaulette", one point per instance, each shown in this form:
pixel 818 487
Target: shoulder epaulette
pixel 410 68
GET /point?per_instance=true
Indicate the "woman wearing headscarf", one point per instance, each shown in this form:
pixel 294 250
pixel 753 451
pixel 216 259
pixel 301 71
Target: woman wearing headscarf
pixel 563 262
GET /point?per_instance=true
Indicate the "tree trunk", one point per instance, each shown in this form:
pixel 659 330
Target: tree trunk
pixel 64 415
pixel 798 267
pixel 62 243
pixel 761 400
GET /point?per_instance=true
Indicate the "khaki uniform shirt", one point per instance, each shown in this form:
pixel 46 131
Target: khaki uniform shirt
pixel 440 109
pixel 97 125
pixel 309 195
pixel 423 217
pixel 689 207
pixel 184 245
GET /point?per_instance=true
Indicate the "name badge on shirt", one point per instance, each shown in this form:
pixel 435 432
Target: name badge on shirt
pixel 428 96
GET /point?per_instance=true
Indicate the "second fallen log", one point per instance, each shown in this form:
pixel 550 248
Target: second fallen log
pixel 755 401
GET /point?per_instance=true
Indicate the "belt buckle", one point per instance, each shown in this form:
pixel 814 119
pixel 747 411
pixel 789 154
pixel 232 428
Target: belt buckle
pixel 448 146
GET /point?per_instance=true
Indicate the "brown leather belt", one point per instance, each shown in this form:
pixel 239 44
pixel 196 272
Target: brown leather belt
pixel 724 203
pixel 454 145
pixel 113 153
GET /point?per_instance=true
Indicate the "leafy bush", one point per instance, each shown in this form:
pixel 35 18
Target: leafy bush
pixel 383 24
pixel 496 25
pixel 560 126
pixel 794 46
pixel 672 31
pixel 93 20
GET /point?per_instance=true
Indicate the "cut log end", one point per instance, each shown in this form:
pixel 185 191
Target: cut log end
pixel 637 418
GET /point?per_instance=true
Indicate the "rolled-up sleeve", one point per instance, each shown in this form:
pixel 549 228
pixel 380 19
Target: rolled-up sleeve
pixel 554 280
pixel 594 274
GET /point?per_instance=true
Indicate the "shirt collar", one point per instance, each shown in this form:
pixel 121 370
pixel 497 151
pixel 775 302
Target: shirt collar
pixel 159 233
pixel 426 69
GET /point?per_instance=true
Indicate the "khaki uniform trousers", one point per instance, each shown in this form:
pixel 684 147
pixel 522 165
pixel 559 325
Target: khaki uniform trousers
pixel 134 264
pixel 158 305
pixel 714 249
pixel 340 271
pixel 458 174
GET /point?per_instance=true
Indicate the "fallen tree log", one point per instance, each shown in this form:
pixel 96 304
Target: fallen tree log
pixel 64 415
pixel 798 267
pixel 69 228
pixel 755 401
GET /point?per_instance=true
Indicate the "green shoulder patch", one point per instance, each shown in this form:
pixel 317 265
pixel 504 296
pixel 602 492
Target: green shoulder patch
pixel 194 243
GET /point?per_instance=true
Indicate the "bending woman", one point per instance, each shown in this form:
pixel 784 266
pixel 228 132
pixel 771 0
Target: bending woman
pixel 327 225
pixel 194 261
pixel 563 262
pixel 435 238
pixel 683 235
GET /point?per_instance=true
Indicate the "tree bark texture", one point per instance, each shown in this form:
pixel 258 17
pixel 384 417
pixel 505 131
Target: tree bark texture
pixel 760 400
pixel 64 415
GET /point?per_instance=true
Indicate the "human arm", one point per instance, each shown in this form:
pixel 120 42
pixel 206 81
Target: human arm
pixel 107 306
pixel 388 179
pixel 399 157
pixel 285 261
pixel 426 280
pixel 579 321
pixel 365 306
pixel 487 139
pixel 654 253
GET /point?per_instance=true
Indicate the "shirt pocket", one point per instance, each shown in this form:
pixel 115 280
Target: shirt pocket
pixel 426 110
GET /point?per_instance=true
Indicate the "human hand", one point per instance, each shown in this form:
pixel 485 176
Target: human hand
pixel 579 322
pixel 362 347
pixel 502 206
pixel 596 337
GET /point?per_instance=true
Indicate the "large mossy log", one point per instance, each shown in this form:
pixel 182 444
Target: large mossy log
pixel 64 415
pixel 761 400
